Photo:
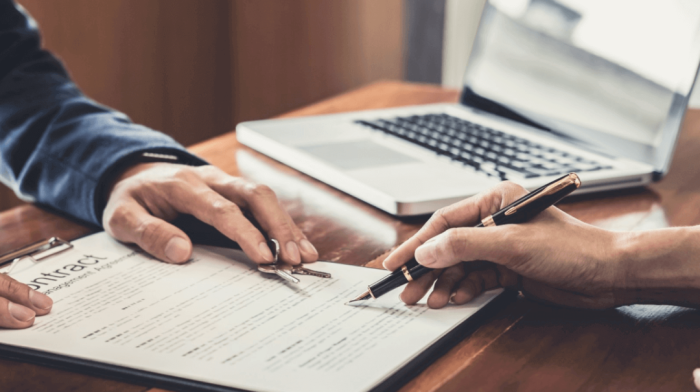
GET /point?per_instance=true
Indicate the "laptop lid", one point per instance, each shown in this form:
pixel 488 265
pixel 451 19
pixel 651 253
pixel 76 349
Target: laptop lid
pixel 614 76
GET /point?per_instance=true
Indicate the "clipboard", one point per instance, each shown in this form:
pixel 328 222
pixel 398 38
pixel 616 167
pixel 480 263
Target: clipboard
pixel 35 252
pixel 45 249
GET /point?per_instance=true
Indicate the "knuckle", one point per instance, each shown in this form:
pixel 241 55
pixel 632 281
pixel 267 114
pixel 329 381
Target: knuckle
pixel 210 173
pixel 438 221
pixel 453 243
pixel 296 233
pixel 148 232
pixel 224 213
pixel 185 173
pixel 207 169
pixel 175 185
pixel 454 273
pixel 117 217
pixel 451 236
pixel 438 215
pixel 224 208
pixel 261 191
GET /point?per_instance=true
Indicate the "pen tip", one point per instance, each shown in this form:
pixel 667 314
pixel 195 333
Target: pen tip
pixel 362 297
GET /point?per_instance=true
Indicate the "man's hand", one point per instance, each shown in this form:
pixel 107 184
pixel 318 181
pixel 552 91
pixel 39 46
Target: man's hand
pixel 19 304
pixel 147 196
pixel 554 258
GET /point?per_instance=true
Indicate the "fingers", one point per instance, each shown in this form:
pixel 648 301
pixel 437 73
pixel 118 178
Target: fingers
pixel 197 199
pixel 458 284
pixel 263 204
pixel 417 289
pixel 696 376
pixel 445 286
pixel 15 316
pixel 467 212
pixel 19 304
pixel 476 283
pixel 130 222
pixel 495 244
pixel 463 244
pixel 143 198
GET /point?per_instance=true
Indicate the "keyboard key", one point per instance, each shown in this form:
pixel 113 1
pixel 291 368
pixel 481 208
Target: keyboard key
pixel 490 151
pixel 519 165
pixel 510 174
pixel 489 166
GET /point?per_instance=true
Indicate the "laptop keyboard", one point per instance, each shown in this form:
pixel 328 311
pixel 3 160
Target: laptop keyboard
pixel 487 150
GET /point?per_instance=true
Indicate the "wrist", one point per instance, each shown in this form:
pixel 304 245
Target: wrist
pixel 127 172
pixel 132 165
pixel 624 255
pixel 659 267
pixel 612 269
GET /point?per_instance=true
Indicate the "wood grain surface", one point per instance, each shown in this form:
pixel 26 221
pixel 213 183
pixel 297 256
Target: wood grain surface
pixel 526 346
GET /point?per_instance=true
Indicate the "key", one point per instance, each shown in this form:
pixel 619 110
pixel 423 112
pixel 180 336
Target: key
pixel 299 270
pixel 272 268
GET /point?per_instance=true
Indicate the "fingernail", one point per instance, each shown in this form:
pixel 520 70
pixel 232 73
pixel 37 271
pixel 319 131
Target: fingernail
pixel 19 312
pixel 265 252
pixel 307 247
pixel 425 254
pixel 40 300
pixel 177 250
pixel 293 251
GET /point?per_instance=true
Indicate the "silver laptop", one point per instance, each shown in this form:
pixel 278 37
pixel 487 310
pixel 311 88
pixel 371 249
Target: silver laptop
pixel 596 87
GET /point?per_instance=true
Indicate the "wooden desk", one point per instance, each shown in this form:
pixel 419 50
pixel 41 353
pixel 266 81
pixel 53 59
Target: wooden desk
pixel 527 346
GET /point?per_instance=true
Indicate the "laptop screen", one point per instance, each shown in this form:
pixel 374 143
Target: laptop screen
pixel 615 74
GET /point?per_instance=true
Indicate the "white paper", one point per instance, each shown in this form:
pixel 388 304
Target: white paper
pixel 218 320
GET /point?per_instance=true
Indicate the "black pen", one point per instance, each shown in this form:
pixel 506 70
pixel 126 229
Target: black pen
pixel 522 210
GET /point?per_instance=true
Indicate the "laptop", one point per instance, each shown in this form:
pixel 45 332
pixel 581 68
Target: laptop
pixel 596 87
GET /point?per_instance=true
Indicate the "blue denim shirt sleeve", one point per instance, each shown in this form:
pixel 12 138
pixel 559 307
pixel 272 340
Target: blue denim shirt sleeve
pixel 57 147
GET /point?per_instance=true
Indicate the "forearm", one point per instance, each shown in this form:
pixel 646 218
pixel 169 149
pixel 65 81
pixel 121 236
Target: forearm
pixel 660 267
pixel 59 147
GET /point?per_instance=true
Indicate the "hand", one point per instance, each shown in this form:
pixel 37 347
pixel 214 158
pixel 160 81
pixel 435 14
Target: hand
pixel 19 304
pixel 696 376
pixel 554 258
pixel 146 196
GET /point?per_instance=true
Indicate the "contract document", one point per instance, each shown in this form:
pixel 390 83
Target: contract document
pixel 219 322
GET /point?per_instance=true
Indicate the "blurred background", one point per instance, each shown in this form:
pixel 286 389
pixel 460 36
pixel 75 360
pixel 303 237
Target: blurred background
pixel 194 68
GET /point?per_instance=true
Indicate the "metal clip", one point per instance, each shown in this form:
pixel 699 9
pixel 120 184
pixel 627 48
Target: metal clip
pixel 572 178
pixel 35 252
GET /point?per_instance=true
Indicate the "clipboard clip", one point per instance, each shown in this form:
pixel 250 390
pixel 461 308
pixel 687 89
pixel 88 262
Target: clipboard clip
pixel 35 252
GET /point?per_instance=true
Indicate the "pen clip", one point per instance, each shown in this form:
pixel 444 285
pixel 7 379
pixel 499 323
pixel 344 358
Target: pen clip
pixel 553 188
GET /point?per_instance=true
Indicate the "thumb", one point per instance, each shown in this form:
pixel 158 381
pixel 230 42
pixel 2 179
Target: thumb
pixel 463 244
pixel 133 224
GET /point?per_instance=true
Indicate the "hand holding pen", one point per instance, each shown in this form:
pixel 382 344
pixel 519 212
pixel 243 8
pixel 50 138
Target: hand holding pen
pixel 521 256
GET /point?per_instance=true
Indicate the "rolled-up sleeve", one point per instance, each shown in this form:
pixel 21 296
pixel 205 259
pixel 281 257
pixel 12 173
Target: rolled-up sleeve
pixel 58 147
